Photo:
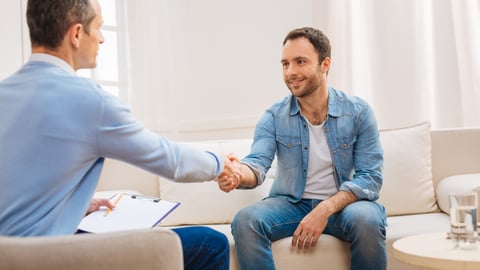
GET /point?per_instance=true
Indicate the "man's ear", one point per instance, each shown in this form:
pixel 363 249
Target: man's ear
pixel 325 65
pixel 75 33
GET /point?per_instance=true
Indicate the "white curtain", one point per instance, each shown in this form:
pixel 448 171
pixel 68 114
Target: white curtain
pixel 210 68
pixel 413 60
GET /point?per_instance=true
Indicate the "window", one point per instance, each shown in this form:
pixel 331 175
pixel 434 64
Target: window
pixel 110 70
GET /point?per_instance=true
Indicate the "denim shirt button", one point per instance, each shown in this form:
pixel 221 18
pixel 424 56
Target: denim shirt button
pixel 334 152
pixel 345 145
pixel 288 145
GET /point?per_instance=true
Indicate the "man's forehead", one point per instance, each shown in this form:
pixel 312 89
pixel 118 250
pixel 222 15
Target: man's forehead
pixel 98 10
pixel 298 49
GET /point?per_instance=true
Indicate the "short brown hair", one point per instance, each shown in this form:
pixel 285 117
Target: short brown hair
pixel 319 41
pixel 49 20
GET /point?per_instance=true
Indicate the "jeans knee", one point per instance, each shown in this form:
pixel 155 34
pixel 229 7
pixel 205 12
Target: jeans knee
pixel 215 237
pixel 239 221
pixel 367 221
pixel 245 221
pixel 372 226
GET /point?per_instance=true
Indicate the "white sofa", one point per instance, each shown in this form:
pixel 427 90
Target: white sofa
pixel 416 160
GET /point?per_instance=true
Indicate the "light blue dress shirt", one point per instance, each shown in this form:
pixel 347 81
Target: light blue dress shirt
pixel 56 128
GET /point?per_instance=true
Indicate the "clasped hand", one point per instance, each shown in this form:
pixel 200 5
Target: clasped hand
pixel 231 176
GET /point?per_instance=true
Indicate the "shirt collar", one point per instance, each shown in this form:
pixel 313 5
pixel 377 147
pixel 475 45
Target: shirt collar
pixel 333 106
pixel 48 58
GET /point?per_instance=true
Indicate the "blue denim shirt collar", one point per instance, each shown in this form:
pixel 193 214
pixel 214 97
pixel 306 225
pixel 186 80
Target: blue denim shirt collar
pixel 333 107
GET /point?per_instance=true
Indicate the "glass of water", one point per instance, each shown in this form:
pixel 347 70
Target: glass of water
pixel 477 191
pixel 463 219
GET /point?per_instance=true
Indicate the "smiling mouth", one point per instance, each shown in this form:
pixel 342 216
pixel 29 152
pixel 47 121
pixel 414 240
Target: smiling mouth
pixel 295 83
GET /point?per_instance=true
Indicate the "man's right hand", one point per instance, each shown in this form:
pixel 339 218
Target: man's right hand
pixel 232 174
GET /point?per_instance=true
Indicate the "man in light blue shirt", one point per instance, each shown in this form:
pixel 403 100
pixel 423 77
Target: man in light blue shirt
pixel 57 128
pixel 329 166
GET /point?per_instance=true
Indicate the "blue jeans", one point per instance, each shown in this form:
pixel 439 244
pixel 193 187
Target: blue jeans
pixel 204 248
pixel 362 224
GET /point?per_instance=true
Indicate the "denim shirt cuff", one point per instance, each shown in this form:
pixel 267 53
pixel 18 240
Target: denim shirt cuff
pixel 257 170
pixel 360 193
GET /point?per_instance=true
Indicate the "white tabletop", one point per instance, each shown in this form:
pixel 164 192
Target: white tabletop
pixel 435 251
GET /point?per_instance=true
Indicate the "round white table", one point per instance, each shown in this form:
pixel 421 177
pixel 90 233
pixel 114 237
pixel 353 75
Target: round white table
pixel 435 251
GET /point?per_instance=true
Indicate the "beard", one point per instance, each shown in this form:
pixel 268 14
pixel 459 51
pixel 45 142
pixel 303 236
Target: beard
pixel 302 86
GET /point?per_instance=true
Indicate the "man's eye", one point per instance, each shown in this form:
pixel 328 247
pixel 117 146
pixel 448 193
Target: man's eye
pixel 285 65
pixel 300 62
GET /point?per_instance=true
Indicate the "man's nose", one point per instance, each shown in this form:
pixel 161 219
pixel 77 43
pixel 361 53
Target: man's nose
pixel 290 70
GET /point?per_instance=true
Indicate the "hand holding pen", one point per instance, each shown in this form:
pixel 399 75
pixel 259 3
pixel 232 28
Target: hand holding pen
pixel 114 204
pixel 97 203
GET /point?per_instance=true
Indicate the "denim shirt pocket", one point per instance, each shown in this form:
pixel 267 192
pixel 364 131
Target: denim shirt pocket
pixel 289 151
pixel 344 153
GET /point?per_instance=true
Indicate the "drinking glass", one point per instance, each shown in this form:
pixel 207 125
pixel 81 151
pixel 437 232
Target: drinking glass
pixel 463 219
pixel 477 191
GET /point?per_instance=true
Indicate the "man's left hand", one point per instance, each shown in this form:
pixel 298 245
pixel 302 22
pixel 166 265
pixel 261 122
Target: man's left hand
pixel 97 203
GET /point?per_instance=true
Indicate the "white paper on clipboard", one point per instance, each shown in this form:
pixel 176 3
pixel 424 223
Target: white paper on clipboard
pixel 132 212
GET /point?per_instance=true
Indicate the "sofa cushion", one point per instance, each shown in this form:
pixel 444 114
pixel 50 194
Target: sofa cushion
pixel 407 185
pixel 205 203
pixel 330 252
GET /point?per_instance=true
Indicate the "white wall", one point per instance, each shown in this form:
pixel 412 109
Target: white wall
pixel 225 57
pixel 11 54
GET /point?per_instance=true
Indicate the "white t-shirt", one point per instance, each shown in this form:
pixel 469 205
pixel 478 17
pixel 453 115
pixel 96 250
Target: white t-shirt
pixel 320 180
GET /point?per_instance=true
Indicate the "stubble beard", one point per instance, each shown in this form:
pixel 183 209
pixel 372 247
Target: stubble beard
pixel 303 91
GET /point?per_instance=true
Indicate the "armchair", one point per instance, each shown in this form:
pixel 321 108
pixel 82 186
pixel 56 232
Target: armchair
pixel 137 249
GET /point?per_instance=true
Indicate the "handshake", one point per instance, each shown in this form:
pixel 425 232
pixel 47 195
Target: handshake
pixel 232 174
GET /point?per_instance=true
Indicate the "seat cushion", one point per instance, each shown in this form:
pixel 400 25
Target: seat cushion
pixel 330 253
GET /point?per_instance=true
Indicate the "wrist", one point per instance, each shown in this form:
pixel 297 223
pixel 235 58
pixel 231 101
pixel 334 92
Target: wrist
pixel 247 178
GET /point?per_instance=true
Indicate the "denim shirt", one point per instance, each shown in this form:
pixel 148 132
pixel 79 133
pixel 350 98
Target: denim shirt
pixel 352 136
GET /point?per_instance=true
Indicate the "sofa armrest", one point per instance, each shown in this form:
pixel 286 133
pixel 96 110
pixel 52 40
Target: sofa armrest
pixel 462 183
pixel 137 249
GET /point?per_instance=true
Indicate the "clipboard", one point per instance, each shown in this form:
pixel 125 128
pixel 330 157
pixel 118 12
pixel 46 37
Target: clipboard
pixel 133 211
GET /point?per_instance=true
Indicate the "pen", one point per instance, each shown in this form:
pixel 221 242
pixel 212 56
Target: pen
pixel 114 204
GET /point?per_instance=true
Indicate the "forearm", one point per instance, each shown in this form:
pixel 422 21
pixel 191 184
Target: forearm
pixel 336 203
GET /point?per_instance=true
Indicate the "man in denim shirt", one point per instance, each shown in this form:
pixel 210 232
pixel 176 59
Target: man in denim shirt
pixel 329 166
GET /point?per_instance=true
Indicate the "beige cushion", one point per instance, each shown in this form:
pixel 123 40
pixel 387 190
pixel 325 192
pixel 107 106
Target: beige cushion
pixel 407 186
pixel 330 253
pixel 205 203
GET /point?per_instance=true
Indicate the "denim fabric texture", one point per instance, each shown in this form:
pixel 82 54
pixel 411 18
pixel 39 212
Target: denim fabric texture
pixel 353 139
